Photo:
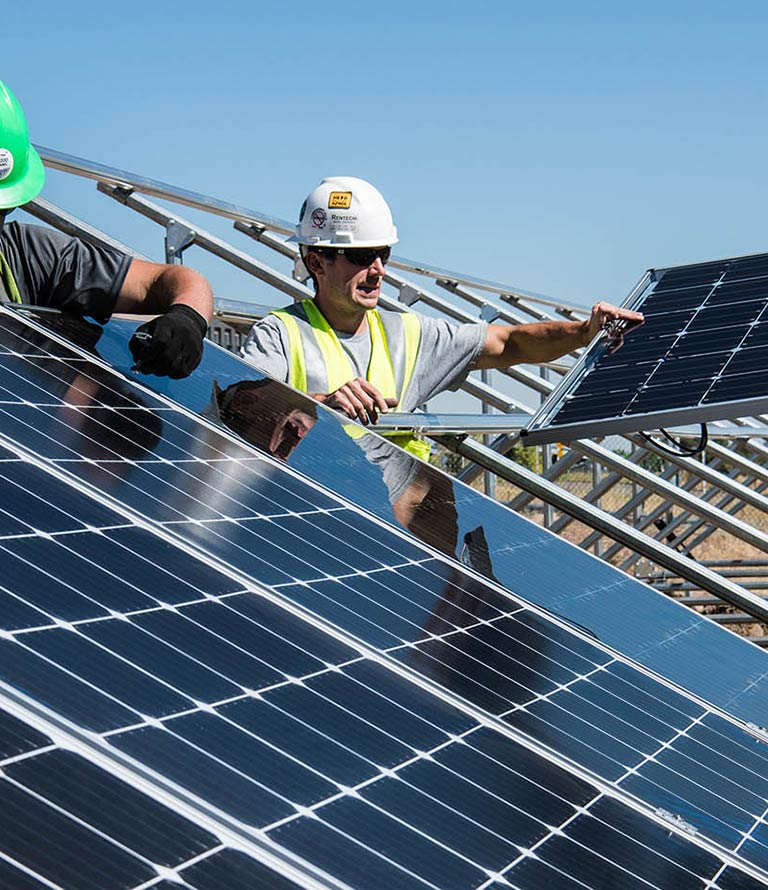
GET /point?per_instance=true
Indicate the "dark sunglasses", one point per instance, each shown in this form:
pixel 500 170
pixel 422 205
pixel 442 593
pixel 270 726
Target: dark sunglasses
pixel 361 256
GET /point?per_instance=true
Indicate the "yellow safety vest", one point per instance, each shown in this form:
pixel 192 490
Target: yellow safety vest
pixel 8 281
pixel 339 369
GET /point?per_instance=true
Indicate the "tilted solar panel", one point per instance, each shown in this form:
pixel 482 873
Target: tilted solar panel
pixel 701 355
pixel 674 641
pixel 305 679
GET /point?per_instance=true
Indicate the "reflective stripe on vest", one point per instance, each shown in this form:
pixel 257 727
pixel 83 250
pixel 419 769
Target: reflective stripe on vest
pixel 8 282
pixel 339 369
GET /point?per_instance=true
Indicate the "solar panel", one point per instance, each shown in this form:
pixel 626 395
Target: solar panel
pixel 372 708
pixel 701 355
pixel 631 617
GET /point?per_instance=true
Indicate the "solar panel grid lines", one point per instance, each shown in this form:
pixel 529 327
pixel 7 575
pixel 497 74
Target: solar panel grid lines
pixel 699 356
pixel 48 788
pixel 317 468
pixel 420 566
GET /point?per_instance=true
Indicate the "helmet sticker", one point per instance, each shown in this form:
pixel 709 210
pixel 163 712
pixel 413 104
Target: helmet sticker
pixel 343 222
pixel 6 163
pixel 340 200
pixel 318 217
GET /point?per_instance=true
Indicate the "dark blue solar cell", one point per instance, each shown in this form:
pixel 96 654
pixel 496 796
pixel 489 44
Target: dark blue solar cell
pixel 458 814
pixel 244 666
pixel 747 267
pixel 695 367
pixel 232 746
pixel 730 314
pixel 301 634
pixel 248 653
pixel 339 724
pixel 690 276
pixel 69 598
pixel 13 878
pixel 419 605
pixel 733 879
pixel 73 857
pixel 746 361
pixel 515 774
pixel 464 600
pixel 345 859
pixel 10 525
pixel 697 342
pixel 233 870
pixel 657 398
pixel 16 737
pixel 112 676
pixel 61 691
pixel 410 696
pixel 308 546
pixel 185 577
pixel 457 669
pixel 346 545
pixel 76 560
pixel 133 485
pixel 334 601
pixel 590 407
pixel 561 864
pixel 118 810
pixel 739 291
pixel 623 378
pixel 716 818
pixel 290 733
pixel 626 837
pixel 676 299
pixel 127 553
pixel 201 774
pixel 594 748
pixel 375 708
pixel 657 701
pixel 757 336
pixel 755 848
pixel 35 379
pixel 741 386
pixel 237 544
pixel 179 670
pixel 49 504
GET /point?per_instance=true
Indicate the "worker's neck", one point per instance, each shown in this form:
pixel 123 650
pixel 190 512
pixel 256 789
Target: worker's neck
pixel 345 320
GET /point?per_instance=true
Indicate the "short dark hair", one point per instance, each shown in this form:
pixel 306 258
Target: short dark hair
pixel 306 249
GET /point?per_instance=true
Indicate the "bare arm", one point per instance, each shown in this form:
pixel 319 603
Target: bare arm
pixel 152 288
pixel 545 341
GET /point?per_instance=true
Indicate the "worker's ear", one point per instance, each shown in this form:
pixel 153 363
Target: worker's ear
pixel 313 263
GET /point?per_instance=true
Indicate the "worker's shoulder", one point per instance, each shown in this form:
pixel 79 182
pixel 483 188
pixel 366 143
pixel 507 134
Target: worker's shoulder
pixel 29 239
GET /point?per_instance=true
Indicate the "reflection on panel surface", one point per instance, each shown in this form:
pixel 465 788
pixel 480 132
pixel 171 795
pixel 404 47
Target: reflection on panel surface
pixel 197 672
pixel 524 558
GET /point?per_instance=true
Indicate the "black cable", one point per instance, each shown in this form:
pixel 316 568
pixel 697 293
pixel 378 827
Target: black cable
pixel 681 450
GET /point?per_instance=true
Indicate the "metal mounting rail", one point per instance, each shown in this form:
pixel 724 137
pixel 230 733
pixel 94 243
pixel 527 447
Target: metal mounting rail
pixel 77 166
pixel 686 568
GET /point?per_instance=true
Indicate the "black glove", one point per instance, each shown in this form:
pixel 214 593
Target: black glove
pixel 171 344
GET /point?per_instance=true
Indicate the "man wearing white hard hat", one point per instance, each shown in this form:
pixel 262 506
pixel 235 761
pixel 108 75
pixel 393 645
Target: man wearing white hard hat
pixel 358 359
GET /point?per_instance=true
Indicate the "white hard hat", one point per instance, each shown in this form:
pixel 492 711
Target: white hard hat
pixel 344 211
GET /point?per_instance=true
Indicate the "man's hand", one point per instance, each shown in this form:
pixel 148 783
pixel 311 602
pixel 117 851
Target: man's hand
pixel 617 322
pixel 358 399
pixel 171 344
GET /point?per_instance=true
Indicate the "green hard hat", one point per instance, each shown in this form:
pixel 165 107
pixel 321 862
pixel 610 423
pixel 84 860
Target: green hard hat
pixel 21 171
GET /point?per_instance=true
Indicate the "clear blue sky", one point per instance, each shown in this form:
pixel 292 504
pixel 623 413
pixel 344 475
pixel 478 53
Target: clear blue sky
pixel 562 147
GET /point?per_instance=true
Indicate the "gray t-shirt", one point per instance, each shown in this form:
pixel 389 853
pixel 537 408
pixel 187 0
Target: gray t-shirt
pixel 446 354
pixel 52 269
